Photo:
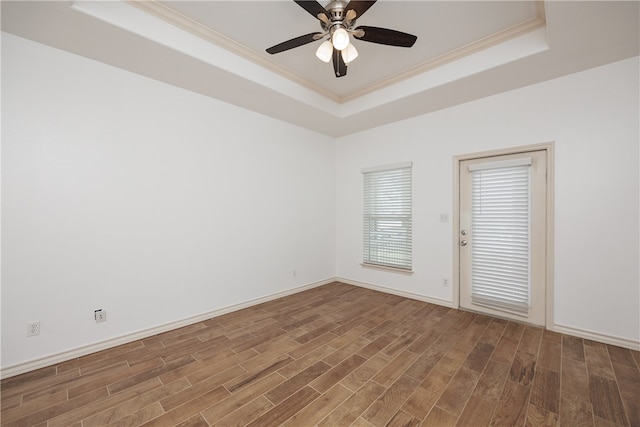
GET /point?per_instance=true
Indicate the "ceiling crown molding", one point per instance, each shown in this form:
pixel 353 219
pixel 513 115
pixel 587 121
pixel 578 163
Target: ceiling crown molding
pixel 454 55
pixel 165 13
pixel 170 16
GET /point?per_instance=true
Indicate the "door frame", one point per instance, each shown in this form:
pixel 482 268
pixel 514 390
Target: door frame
pixel 548 147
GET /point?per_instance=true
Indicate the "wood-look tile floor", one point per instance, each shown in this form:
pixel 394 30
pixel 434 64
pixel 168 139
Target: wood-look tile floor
pixel 338 355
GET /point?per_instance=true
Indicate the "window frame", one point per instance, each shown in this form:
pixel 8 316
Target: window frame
pixel 389 225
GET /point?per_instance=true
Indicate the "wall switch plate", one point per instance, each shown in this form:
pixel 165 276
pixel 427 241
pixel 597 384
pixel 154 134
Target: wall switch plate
pixel 444 217
pixel 33 328
pixel 100 315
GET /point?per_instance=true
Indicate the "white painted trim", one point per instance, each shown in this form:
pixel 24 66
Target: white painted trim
pixel 393 166
pixel 387 268
pixel 525 161
pixel 57 358
pixel 580 333
pixel 174 18
pixel 596 336
pixel 170 16
pixel 549 148
pixel 197 45
pixel 54 359
pixel 392 291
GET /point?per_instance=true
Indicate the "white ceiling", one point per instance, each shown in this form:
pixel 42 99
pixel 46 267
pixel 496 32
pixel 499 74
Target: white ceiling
pixel 465 50
pixel 441 27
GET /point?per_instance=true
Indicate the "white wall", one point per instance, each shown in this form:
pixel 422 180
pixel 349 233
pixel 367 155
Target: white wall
pixel 157 204
pixel 150 202
pixel 593 118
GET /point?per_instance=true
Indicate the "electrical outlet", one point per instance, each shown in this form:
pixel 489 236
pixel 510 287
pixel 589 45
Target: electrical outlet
pixel 100 315
pixel 445 282
pixel 444 217
pixel 294 273
pixel 33 328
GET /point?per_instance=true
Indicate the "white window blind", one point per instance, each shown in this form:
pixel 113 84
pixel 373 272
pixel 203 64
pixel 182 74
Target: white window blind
pixel 387 216
pixel 500 241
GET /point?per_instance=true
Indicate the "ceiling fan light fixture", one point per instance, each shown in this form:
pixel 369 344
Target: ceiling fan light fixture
pixel 337 20
pixel 324 52
pixel 349 53
pixel 340 38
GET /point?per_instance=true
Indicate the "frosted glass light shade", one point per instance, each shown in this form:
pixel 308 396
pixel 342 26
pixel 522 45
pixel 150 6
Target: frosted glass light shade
pixel 349 53
pixel 340 38
pixel 325 51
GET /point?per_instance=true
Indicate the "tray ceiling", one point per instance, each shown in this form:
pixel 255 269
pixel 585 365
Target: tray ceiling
pixel 465 50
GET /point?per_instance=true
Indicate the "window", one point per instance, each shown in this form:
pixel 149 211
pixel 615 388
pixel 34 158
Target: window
pixel 500 220
pixel 387 216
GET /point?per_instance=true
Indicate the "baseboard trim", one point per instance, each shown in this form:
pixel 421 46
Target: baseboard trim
pixel 392 291
pixel 64 356
pixel 580 333
pixel 57 358
pixel 596 336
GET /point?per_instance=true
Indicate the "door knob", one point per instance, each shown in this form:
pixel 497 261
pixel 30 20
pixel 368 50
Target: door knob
pixel 463 243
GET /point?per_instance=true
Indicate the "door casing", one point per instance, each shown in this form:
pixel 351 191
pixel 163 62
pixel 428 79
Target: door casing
pixel 548 147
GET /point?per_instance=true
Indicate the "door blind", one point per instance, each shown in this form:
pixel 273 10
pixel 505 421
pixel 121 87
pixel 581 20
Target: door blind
pixel 387 217
pixel 500 238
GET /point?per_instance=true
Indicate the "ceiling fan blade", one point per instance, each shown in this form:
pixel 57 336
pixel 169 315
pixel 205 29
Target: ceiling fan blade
pixel 359 7
pixel 339 66
pixel 313 7
pixel 298 41
pixel 385 36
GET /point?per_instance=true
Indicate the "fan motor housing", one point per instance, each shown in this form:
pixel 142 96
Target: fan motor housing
pixel 337 16
pixel 336 8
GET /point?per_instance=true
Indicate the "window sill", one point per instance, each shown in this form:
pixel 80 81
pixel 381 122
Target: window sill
pixel 386 268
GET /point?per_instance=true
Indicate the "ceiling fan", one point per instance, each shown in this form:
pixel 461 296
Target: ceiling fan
pixel 337 21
